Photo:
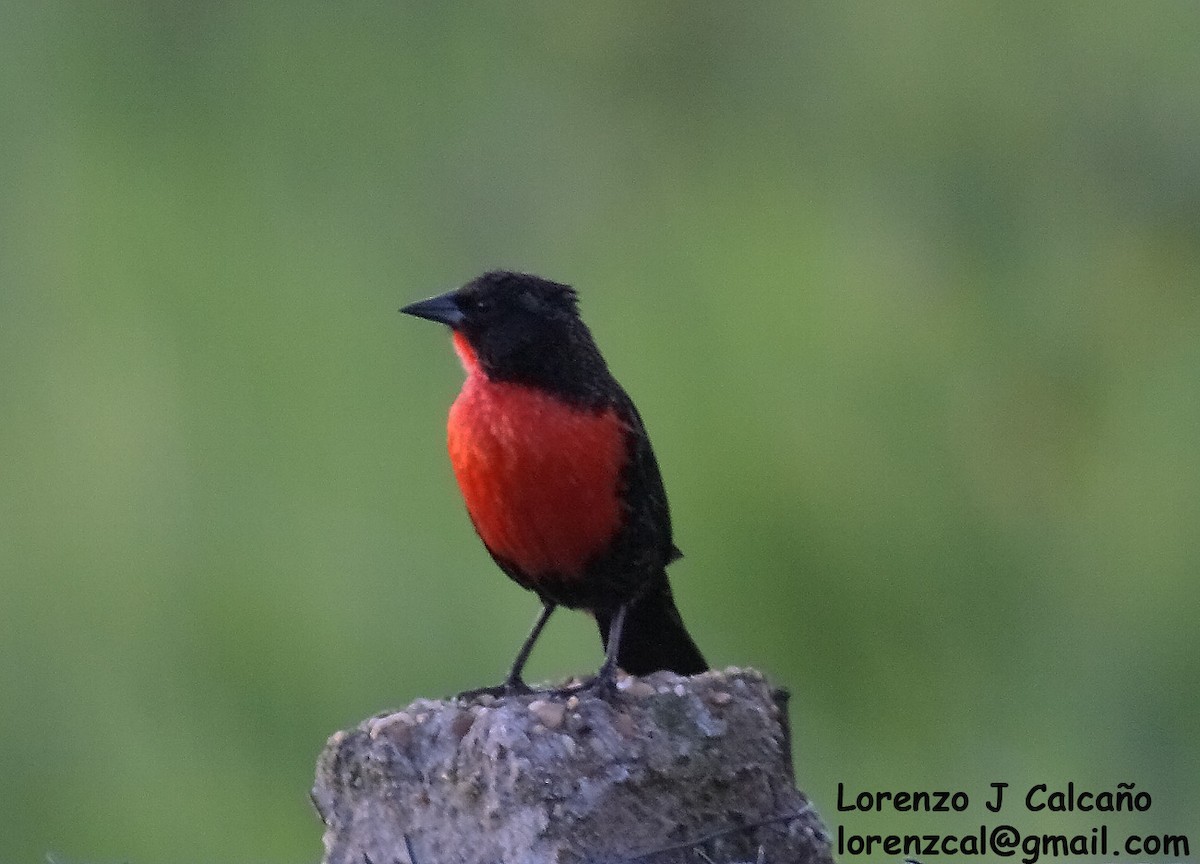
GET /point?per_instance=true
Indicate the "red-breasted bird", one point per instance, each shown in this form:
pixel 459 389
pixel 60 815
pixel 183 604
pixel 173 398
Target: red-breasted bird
pixel 557 471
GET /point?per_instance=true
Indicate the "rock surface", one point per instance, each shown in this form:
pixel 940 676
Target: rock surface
pixel 667 768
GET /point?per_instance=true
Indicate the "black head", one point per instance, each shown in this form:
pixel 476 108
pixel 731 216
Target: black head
pixel 521 327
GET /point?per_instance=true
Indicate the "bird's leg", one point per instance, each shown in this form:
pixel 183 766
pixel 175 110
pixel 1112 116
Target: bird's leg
pixel 514 684
pixel 605 682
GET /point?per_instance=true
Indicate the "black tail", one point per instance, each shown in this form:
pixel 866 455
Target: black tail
pixel 654 636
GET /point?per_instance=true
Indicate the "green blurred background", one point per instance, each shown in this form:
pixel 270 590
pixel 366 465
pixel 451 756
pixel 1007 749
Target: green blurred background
pixel 909 297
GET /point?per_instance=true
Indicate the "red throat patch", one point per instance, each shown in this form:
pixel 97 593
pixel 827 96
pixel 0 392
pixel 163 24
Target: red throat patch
pixel 465 353
pixel 541 478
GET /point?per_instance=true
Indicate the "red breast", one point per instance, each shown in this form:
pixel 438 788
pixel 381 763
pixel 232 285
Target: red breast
pixel 541 478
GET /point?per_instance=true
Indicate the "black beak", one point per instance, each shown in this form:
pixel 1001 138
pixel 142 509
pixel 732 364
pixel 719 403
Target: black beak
pixel 443 309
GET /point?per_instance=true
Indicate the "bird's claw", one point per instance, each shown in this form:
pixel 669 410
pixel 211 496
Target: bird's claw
pixel 511 687
pixel 604 684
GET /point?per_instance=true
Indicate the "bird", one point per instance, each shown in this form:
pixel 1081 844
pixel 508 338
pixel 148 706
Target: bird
pixel 557 472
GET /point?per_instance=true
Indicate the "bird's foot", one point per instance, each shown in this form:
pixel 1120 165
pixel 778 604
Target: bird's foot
pixel 510 687
pixel 604 684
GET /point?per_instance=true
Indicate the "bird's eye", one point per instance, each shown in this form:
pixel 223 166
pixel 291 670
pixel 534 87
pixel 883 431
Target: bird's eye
pixel 481 304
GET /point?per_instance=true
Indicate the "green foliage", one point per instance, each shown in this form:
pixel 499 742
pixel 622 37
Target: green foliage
pixel 907 297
